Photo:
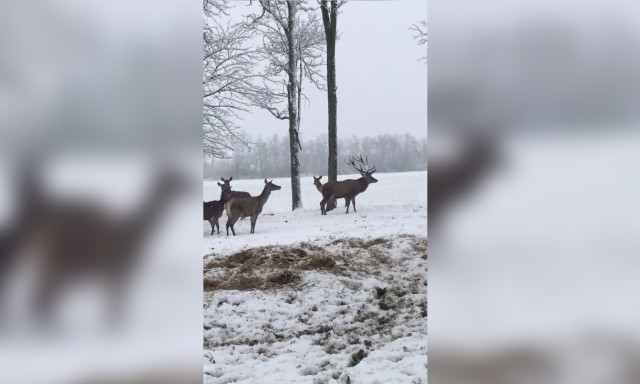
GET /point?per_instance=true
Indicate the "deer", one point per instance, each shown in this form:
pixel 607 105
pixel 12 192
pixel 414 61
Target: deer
pixel 450 180
pixel 212 211
pixel 227 193
pixel 248 206
pixel 319 185
pixel 348 189
pixel 76 239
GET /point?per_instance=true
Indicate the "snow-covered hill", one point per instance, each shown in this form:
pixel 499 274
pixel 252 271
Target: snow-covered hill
pixel 320 299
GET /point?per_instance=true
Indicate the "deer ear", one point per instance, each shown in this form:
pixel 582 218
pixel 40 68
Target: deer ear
pixel 231 178
pixel 265 181
pixel 320 177
pixel 220 184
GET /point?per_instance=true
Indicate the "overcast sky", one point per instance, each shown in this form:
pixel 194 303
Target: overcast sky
pixel 382 87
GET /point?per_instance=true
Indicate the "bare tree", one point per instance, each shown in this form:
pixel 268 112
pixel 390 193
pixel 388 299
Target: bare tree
pixel 228 79
pixel 329 11
pixel 292 42
pixel 420 35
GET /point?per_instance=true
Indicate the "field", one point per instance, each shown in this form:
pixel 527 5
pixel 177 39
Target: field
pixel 320 299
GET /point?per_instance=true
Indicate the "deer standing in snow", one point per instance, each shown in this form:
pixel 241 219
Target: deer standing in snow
pixel 348 189
pixel 226 194
pixel 319 185
pixel 212 211
pixel 248 206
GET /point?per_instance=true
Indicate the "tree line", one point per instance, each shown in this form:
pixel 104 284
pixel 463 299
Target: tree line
pixel 269 157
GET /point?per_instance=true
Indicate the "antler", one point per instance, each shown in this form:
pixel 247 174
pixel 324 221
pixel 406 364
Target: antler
pixel 358 159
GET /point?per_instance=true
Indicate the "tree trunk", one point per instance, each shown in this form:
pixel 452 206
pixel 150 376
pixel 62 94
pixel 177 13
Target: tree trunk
pixel 292 106
pixel 330 19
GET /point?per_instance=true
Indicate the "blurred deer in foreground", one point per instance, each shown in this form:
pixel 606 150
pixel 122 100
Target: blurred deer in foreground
pixel 72 240
pixel 348 189
pixel 449 180
pixel 248 206
pixel 212 211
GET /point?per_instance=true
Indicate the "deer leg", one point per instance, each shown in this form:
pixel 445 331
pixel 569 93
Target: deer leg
pixel 212 225
pixel 322 211
pixel 117 287
pixel 348 199
pixel 230 223
pixel 45 296
pixel 353 201
pixel 254 218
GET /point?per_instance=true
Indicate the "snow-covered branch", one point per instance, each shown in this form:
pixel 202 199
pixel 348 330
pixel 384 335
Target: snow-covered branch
pixel 228 79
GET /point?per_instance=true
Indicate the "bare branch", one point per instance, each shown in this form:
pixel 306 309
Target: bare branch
pixel 420 35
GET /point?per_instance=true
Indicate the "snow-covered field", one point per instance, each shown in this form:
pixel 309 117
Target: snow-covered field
pixel 320 299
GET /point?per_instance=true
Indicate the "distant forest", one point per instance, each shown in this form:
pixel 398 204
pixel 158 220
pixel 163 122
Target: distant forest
pixel 269 157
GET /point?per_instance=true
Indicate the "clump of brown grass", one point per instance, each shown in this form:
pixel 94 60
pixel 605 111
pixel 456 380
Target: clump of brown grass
pixel 321 262
pixel 361 243
pixel 238 282
pixel 283 278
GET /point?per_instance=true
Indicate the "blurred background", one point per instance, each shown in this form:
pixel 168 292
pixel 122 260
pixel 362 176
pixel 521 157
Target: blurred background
pixel 533 191
pixel 100 169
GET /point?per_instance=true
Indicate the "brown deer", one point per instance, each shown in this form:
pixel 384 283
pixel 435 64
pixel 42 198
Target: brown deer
pixel 450 180
pixel 248 206
pixel 319 185
pixel 78 239
pixel 212 211
pixel 348 189
pixel 226 194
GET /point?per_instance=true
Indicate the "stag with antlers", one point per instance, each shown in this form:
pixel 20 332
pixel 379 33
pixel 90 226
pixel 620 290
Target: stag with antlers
pixel 349 189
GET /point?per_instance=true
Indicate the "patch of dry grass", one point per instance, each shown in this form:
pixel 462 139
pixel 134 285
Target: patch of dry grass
pixel 276 266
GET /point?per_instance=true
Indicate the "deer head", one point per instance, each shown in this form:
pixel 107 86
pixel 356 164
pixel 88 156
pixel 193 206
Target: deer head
pixel 226 186
pixel 363 163
pixel 317 182
pixel 268 185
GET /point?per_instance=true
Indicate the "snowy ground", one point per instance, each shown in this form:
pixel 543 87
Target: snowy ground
pixel 320 299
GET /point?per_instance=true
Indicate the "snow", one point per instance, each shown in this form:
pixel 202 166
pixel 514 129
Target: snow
pixel 371 304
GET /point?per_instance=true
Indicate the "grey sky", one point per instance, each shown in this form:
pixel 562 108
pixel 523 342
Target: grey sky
pixel 382 87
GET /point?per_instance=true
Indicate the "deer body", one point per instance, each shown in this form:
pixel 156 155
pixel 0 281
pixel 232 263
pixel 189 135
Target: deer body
pixel 212 211
pixel 319 185
pixel 78 239
pixel 248 206
pixel 347 189
pixel 227 194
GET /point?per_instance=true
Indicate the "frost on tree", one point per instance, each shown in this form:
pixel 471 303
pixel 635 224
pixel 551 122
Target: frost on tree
pixel 329 10
pixel 229 79
pixel 291 51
